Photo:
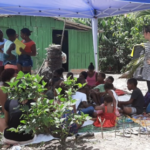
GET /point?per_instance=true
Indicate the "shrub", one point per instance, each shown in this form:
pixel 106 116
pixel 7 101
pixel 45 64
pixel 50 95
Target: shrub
pixel 45 116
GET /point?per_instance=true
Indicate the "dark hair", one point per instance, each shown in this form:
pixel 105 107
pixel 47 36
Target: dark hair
pixel 80 80
pixel 84 73
pixel 111 78
pixel 91 66
pixel 10 32
pixel 26 31
pixel 146 28
pixel 108 99
pixel 7 75
pixel 70 74
pixel 103 75
pixel 108 86
pixel 59 71
pixel 132 81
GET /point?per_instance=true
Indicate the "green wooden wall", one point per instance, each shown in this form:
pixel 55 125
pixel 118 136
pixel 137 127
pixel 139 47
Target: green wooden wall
pixel 80 49
pixel 80 42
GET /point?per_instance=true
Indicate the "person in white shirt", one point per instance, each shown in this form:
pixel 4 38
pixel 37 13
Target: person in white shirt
pixel 81 98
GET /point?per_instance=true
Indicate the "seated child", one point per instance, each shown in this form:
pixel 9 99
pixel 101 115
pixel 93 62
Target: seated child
pixel 98 92
pixel 50 92
pixel 83 75
pixel 100 78
pixel 70 74
pixel 85 89
pixel 136 102
pixel 81 98
pixel 107 113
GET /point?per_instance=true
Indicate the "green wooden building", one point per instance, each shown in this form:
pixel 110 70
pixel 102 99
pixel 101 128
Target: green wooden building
pixel 77 44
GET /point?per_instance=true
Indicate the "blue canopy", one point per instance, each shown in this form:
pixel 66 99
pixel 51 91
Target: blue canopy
pixel 74 8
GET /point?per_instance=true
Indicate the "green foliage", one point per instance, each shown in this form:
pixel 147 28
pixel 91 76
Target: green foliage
pixel 143 13
pixel 120 34
pixel 24 87
pixel 45 116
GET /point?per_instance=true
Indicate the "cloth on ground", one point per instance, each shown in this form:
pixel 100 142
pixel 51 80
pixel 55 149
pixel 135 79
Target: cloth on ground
pixel 119 92
pixel 45 138
pixel 125 97
pixel 142 120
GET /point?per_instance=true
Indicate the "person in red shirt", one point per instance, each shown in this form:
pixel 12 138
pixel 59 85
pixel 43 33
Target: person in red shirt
pixel 100 78
pixel 24 60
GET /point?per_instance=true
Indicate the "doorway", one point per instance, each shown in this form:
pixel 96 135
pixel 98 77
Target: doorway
pixel 57 34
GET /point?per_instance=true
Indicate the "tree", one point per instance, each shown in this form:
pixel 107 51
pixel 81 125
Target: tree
pixel 143 13
pixel 120 34
pixel 45 116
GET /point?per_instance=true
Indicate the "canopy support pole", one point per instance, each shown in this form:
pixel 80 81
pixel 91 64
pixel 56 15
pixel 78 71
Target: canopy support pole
pixel 94 32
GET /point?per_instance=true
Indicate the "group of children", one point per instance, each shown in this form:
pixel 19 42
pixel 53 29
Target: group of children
pixel 97 98
pixel 8 55
pixel 102 97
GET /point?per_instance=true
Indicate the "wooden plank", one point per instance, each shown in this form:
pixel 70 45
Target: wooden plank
pixel 28 22
pixel 34 22
pixel 1 22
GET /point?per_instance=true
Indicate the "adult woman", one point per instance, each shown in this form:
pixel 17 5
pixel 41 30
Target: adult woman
pixel 92 76
pixel 24 60
pixel 146 68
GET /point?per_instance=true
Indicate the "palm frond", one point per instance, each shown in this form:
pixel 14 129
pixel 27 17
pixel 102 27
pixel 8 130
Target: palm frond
pixel 134 64
pixel 143 13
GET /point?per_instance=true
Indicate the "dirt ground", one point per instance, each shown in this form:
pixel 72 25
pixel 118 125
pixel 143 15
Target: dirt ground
pixel 110 142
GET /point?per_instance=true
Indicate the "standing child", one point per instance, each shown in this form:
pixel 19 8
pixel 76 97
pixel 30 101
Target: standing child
pixel 2 42
pixel 107 113
pixel 92 76
pixel 136 102
pixel 10 56
pixel 24 60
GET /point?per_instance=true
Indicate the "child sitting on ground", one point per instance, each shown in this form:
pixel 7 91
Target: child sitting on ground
pixel 70 74
pixel 109 88
pixel 98 92
pixel 83 75
pixel 136 102
pixel 100 78
pixel 107 113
